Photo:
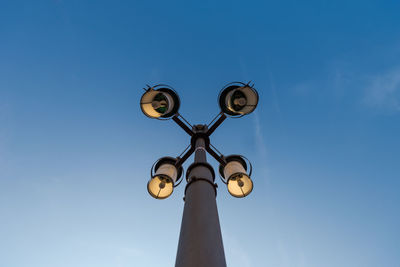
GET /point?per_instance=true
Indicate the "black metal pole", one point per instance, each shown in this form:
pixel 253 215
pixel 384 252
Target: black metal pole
pixel 200 240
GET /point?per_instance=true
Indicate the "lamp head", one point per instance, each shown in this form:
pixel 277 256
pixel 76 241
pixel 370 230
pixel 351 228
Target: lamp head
pixel 160 102
pixel 238 99
pixel 162 182
pixel 235 175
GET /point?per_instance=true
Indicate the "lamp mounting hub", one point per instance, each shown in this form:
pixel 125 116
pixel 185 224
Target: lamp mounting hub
pixel 200 128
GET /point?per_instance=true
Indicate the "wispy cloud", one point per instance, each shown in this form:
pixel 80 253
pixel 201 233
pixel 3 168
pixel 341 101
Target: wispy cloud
pixel 379 91
pixel 259 136
pixel 259 133
pixel 383 91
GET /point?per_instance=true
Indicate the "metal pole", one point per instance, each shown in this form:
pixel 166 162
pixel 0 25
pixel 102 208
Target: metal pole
pixel 200 240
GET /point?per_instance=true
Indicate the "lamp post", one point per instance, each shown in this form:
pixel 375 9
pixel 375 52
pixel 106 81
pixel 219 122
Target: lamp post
pixel 200 241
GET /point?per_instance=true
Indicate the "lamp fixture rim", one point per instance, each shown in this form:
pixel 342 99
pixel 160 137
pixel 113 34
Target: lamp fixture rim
pixel 166 89
pixel 227 89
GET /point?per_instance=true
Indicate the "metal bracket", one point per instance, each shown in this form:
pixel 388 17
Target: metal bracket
pixel 181 160
pixel 216 124
pixel 200 131
pixel 182 125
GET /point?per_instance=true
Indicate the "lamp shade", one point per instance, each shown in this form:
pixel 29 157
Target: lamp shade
pixel 238 99
pixel 160 102
pixel 162 183
pixel 235 174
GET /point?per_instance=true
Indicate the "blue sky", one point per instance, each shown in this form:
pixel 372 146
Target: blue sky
pixel 75 149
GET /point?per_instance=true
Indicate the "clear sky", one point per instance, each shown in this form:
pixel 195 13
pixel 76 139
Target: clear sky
pixel 75 149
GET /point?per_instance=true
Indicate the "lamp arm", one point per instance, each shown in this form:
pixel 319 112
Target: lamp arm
pixel 178 121
pixel 219 158
pixel 217 123
pixel 182 159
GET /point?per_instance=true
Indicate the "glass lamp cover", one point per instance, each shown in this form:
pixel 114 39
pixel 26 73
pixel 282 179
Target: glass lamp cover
pixel 160 187
pixel 233 167
pixel 242 100
pixel 169 170
pixel 155 104
pixel 240 185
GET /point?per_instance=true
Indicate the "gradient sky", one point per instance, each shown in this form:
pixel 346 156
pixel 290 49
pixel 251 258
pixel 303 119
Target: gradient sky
pixel 75 149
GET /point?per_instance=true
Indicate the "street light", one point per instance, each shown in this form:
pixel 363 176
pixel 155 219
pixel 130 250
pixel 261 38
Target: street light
pixel 235 176
pixel 200 241
pixel 162 183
